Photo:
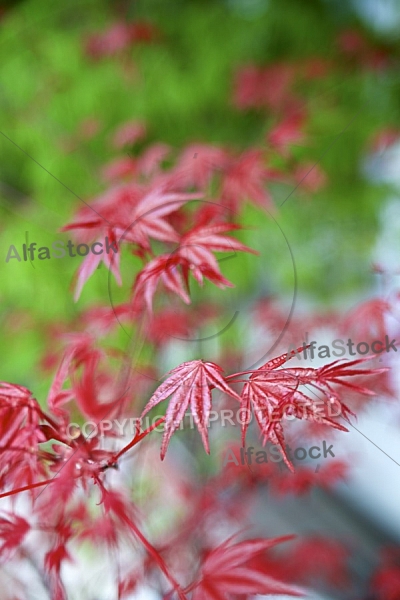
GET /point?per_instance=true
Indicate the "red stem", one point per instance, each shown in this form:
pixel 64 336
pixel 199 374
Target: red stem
pixel 27 487
pixel 135 441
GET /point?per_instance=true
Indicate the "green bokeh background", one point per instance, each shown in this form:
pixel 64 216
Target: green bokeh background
pixel 182 88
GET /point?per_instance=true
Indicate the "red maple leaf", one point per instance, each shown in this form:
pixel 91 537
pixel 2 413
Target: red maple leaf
pixel 92 388
pixel 196 245
pixel 310 177
pixel 304 479
pixel 367 320
pixel 227 571
pixel 163 268
pixel 127 214
pixel 287 132
pixel 13 531
pixel 79 348
pixel 197 164
pixel 317 558
pixel 271 392
pixel 119 168
pixel 244 179
pixel 265 87
pixel 20 436
pixel 128 134
pixel 149 162
pixel 146 218
pixel 189 383
pixel 192 255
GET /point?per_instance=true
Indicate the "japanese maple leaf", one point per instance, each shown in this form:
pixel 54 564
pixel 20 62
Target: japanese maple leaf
pixel 189 383
pixel 198 162
pixel 79 348
pixel 228 571
pixel 94 391
pixel 322 558
pixel 121 209
pixel 128 214
pixel 119 169
pixel 269 392
pixel 13 531
pixel 53 562
pixel 287 132
pixel 192 255
pixel 196 245
pixel 310 177
pixel 149 162
pixel 258 87
pixel 128 134
pixel 146 218
pixel 163 268
pixel 367 320
pixel 92 261
pixel 244 179
pixel 20 436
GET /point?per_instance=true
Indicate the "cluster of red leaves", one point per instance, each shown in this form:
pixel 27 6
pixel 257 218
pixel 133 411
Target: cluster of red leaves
pixel 366 322
pixel 133 214
pixel 229 569
pixel 148 206
pixel 268 87
pixel 276 476
pixel 223 571
pixel 317 561
pixel 78 461
pixel 270 392
pixel 304 479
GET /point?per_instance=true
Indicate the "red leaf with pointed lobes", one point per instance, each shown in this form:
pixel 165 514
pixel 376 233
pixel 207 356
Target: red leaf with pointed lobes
pixel 367 320
pixel 129 214
pixel 269 392
pixel 289 131
pixel 149 162
pixel 228 569
pixel 210 237
pixel 128 134
pixel 119 168
pixel 320 558
pixel 189 383
pixel 198 162
pixel 245 179
pixel 13 531
pixel 196 245
pixel 192 255
pixel 304 479
pixel 162 268
pixel 278 361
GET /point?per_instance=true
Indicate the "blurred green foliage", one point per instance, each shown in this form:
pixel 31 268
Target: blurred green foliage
pixel 181 85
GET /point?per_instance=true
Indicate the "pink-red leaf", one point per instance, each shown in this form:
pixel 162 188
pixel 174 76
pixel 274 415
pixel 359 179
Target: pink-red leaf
pixel 189 384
